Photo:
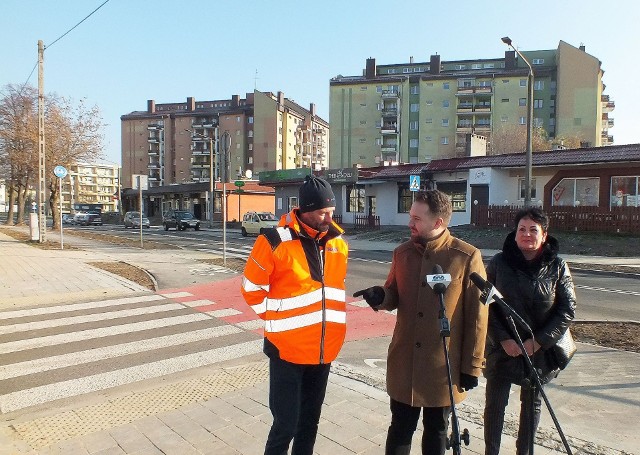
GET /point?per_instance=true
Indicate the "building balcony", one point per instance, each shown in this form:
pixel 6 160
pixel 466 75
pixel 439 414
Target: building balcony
pixel 153 166
pixel 482 107
pixel 465 107
pixel 464 128
pixel 153 152
pixel 155 126
pixel 153 140
pixel 388 130
pixel 482 127
pixel 388 148
pixel 390 112
pixel 389 94
pixel 607 123
pixel 608 107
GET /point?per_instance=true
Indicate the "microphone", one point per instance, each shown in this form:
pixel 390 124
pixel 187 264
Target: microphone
pixel 489 291
pixel 439 280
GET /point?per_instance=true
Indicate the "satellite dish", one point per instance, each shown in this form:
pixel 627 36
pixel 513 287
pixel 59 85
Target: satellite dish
pixel 248 174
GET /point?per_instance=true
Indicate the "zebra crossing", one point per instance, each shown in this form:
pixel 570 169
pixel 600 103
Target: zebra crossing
pixel 57 352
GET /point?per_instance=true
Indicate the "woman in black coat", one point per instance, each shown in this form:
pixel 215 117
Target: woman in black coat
pixel 537 284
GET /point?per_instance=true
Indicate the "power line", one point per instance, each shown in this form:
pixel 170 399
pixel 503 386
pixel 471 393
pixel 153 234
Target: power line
pixel 58 39
pixel 69 31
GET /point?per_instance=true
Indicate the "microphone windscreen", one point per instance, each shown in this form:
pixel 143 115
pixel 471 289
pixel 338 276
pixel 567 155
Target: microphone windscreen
pixel 478 280
pixel 437 270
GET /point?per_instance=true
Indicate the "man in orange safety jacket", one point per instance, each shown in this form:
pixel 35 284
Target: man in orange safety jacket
pixel 295 281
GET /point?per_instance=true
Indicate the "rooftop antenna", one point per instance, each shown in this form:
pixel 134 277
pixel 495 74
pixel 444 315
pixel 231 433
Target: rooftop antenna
pixel 255 80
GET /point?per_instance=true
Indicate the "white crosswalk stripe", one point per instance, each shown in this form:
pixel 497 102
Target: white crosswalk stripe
pixel 61 351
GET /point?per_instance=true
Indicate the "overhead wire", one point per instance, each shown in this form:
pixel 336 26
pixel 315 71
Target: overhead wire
pixel 58 39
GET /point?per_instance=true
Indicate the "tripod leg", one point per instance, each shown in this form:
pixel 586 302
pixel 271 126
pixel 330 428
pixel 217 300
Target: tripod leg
pixel 529 418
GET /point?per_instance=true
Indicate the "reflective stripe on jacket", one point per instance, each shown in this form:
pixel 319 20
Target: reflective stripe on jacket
pixel 296 283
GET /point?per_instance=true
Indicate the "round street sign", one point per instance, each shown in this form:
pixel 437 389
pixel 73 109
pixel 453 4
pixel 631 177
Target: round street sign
pixel 60 172
pixel 239 183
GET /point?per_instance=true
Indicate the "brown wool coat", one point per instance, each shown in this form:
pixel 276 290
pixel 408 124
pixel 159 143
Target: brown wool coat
pixel 416 368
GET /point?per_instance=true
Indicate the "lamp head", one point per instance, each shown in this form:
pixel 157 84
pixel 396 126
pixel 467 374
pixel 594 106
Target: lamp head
pixel 506 40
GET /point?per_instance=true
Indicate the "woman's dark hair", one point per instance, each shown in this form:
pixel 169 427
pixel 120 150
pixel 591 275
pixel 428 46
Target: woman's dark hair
pixel 535 214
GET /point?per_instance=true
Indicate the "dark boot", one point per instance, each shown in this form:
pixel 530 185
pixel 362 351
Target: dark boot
pixel 399 450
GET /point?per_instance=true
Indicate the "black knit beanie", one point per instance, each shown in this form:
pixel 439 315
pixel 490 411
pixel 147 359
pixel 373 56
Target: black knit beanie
pixel 315 193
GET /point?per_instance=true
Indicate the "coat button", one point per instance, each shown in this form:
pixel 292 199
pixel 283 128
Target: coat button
pixel 420 314
pixel 418 344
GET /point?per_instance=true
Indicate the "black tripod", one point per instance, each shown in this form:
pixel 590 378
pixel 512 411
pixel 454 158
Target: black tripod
pixel 439 281
pixel 490 295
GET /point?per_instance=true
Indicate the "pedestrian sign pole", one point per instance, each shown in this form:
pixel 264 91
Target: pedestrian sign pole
pixel 414 185
pixel 60 172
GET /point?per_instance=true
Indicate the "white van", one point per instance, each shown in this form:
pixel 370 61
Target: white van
pixel 254 222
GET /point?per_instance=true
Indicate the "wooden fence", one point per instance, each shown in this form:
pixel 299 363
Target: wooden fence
pixel 583 219
pixel 367 221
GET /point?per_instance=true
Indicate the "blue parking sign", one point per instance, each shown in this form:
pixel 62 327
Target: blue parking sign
pixel 414 182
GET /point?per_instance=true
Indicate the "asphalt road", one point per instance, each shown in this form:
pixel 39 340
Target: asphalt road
pixel 601 295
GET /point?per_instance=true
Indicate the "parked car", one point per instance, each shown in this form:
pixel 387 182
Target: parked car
pixel 132 220
pixel 88 219
pixel 67 219
pixel 256 222
pixel 180 220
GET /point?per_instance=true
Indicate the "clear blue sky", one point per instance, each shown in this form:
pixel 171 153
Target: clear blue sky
pixel 130 51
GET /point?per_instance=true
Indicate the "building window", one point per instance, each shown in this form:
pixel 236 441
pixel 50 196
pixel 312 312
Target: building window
pixel 405 198
pixel 461 67
pixel 522 121
pixel 413 143
pixel 428 139
pixel 415 107
pixel 445 122
pixel 415 90
pixel 406 70
pixel 379 88
pixel 523 82
pixel 355 200
pixel 489 65
pixel 537 61
pixel 445 85
pixel 538 85
pixel 457 191
pixel 537 104
pixel 576 191
pixel 476 66
pixel 504 119
pixel 444 140
pixel 505 100
pixel 429 120
pixel 445 103
pixel 624 191
pixel 293 203
pixel 394 88
pixel 522 102
pixel 413 125
pixel 378 141
pixel 429 102
pixel 521 187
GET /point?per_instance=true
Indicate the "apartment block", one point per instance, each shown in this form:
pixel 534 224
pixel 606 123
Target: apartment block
pixel 418 111
pixel 187 142
pixel 91 184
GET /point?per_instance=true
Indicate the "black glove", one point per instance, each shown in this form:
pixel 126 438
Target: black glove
pixel 374 296
pixel 467 382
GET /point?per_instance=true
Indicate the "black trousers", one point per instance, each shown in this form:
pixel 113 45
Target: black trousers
pixel 497 398
pixel 296 394
pixel 404 421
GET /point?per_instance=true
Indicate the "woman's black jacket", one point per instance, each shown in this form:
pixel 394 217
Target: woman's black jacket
pixel 542 293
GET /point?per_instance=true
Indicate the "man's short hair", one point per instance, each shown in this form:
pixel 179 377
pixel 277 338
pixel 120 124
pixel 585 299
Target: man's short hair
pixel 439 203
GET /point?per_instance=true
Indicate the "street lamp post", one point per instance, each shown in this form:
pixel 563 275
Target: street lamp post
pixel 529 155
pixel 211 175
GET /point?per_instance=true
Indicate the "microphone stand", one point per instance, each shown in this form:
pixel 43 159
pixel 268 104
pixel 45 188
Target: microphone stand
pixel 534 381
pixel 454 440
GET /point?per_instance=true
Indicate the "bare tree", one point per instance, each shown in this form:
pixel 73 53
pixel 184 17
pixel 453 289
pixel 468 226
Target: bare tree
pixel 73 134
pixel 18 144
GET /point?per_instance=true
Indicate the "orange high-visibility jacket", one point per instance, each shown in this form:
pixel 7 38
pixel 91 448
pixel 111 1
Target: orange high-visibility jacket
pixel 296 283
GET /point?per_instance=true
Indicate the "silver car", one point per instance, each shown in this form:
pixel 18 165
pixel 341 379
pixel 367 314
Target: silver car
pixel 132 220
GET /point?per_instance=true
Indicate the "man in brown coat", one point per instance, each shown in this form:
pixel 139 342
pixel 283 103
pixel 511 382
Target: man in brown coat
pixel 416 366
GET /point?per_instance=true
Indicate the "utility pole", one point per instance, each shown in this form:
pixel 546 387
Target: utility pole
pixel 42 220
